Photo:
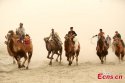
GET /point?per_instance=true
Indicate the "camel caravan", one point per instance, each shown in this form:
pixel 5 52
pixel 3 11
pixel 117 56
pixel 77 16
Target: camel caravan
pixel 19 45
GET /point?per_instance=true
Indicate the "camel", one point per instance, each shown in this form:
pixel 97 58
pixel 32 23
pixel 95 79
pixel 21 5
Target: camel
pixel 18 49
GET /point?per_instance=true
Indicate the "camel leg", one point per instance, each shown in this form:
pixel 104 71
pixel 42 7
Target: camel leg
pixel 122 56
pixel 18 61
pixel 70 62
pixel 118 55
pixel 105 59
pixel 72 58
pixel 25 58
pixel 48 54
pixel 51 58
pixel 100 57
pixel 77 59
pixel 67 56
pixel 29 58
pixel 119 59
pixel 60 57
pixel 77 53
pixel 102 60
pixel 57 57
pixel 14 61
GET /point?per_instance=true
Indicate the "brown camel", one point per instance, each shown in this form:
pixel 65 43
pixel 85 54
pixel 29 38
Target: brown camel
pixel 119 49
pixel 19 50
pixel 71 49
pixel 102 50
pixel 53 47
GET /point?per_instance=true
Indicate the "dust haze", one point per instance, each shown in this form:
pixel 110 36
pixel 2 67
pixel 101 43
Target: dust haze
pixel 40 16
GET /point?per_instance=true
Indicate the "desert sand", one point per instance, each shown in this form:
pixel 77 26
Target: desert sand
pixel 40 16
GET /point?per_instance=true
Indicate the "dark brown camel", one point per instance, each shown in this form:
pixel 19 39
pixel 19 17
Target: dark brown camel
pixel 71 49
pixel 54 48
pixel 102 50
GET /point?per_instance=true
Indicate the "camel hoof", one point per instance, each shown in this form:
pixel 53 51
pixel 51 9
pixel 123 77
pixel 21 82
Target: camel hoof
pixel 51 58
pixel 50 63
pixel 19 66
pixel 70 63
pixel 56 60
pixel 27 67
pixel 76 64
pixel 48 57
pixel 14 62
pixel 102 62
pixel 23 66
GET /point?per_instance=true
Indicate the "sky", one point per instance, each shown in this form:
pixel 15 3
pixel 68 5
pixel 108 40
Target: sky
pixel 40 16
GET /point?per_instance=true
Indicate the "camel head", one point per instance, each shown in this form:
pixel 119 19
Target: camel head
pixel 8 36
pixel 116 41
pixel 46 39
pixel 66 37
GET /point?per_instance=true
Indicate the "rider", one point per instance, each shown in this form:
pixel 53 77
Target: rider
pixel 54 36
pixel 72 32
pixel 118 35
pixel 21 32
pixel 108 39
pixel 101 35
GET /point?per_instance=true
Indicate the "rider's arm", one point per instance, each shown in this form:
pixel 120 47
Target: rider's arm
pixel 119 36
pixel 94 36
pixel 75 33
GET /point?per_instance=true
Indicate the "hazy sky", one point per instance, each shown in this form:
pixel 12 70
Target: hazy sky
pixel 39 16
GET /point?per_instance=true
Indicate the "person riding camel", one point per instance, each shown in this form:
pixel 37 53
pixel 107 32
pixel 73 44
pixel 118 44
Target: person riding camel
pixel 54 36
pixel 108 40
pixel 118 35
pixel 72 33
pixel 101 36
pixel 21 31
